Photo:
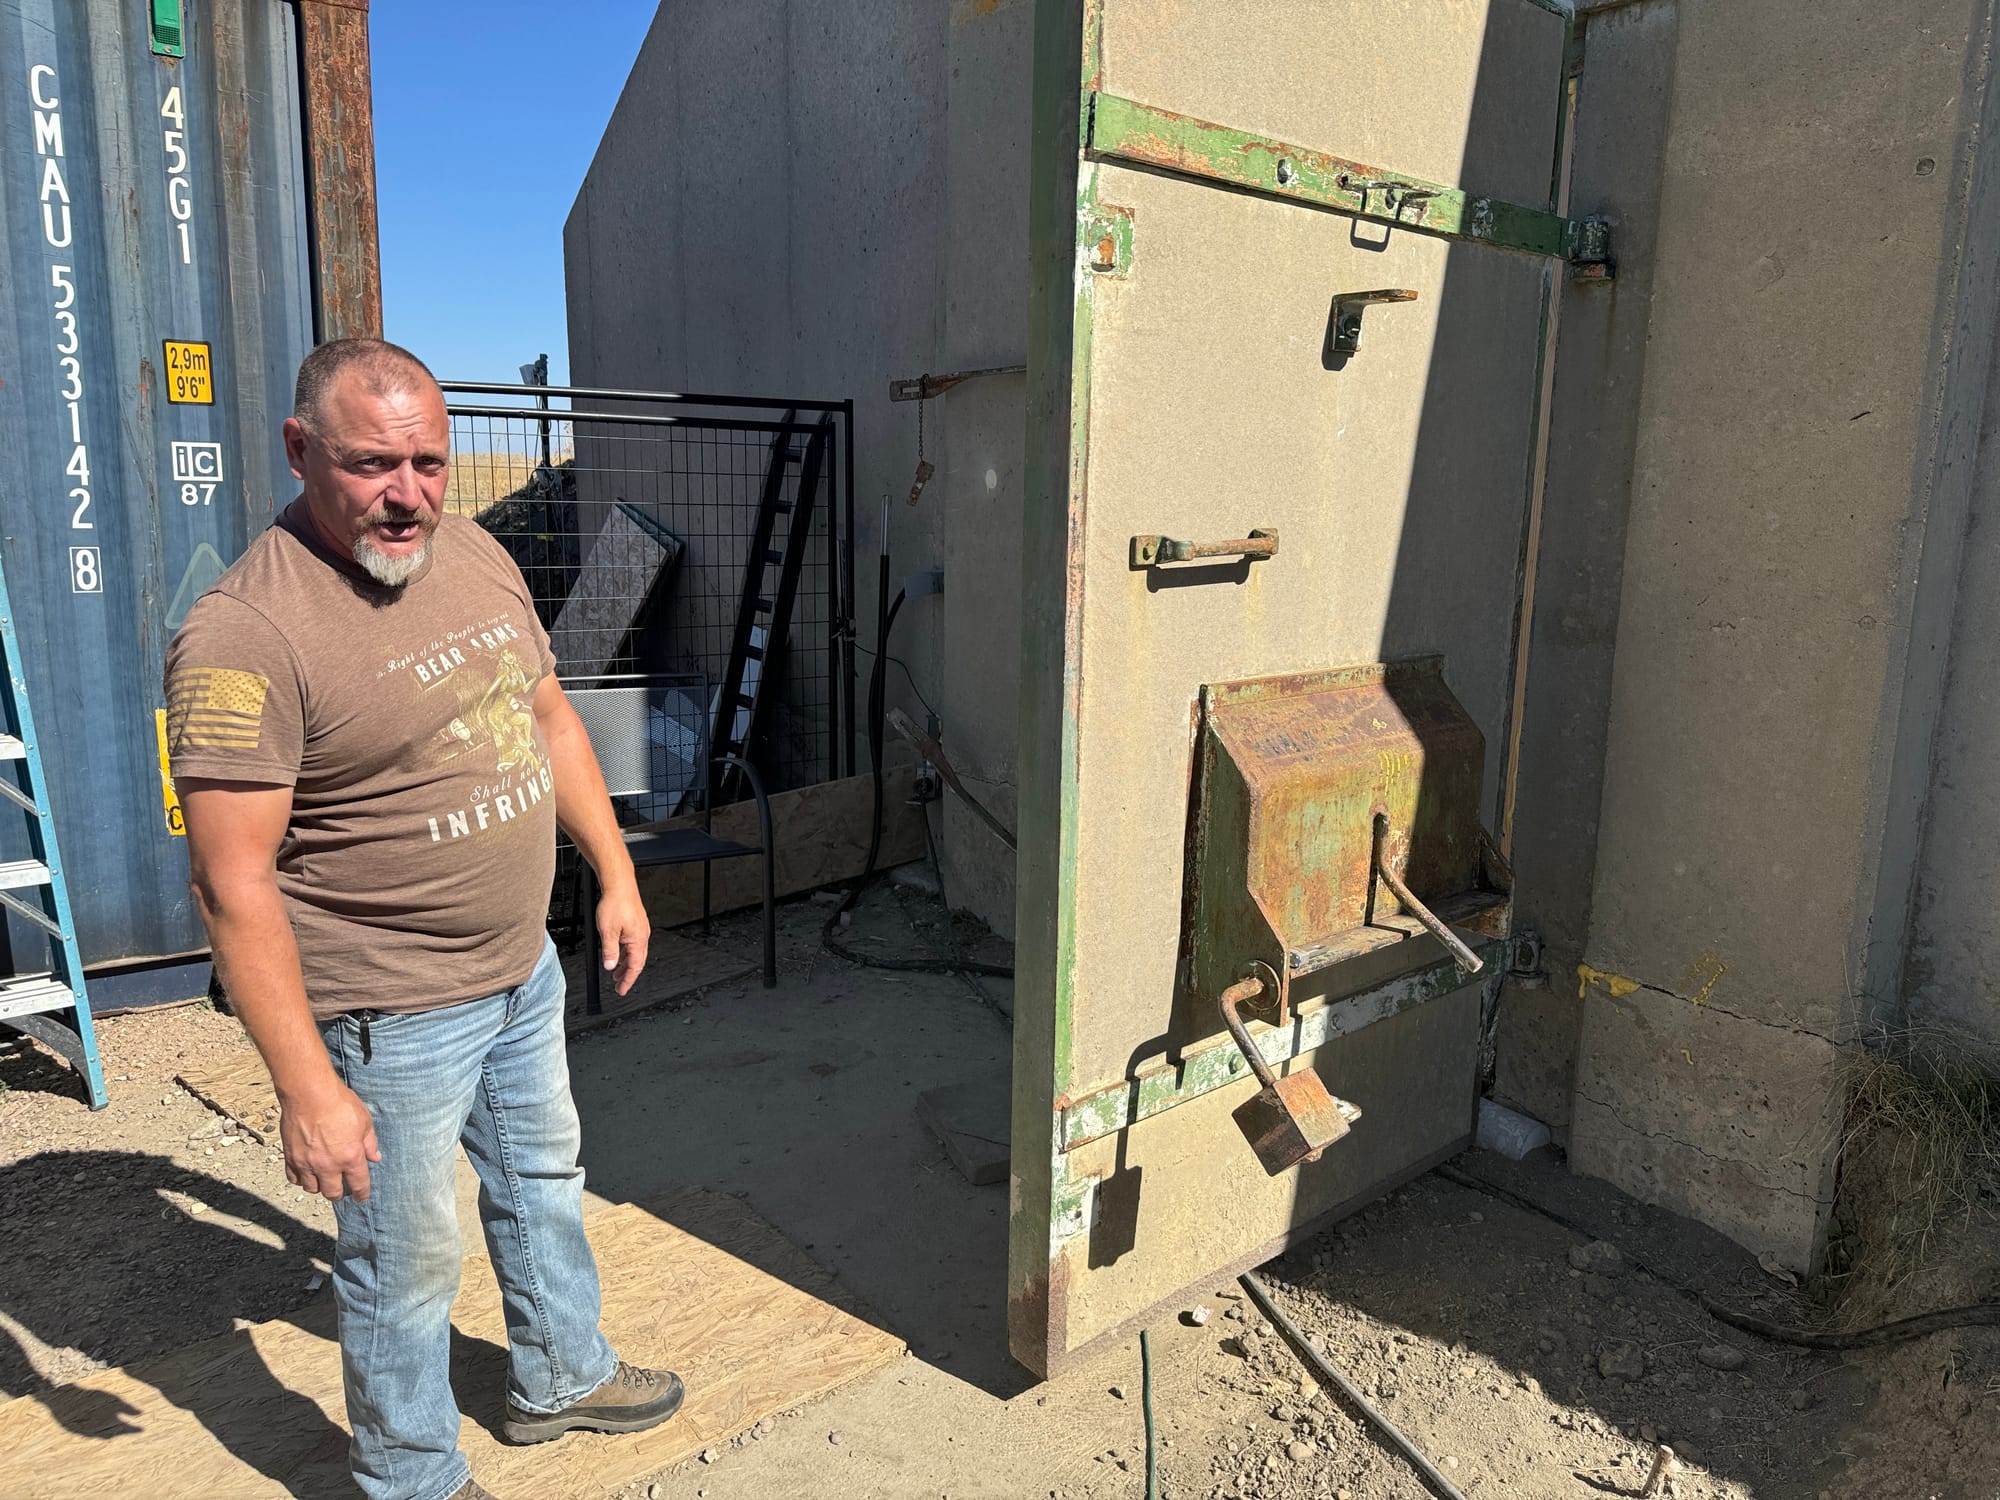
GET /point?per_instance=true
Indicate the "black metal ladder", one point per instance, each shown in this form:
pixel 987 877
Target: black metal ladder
pixel 778 551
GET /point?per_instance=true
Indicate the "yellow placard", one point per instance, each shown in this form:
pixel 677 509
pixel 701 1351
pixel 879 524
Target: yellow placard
pixel 190 373
pixel 175 824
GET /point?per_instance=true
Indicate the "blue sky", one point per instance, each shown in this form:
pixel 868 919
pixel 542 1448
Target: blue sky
pixel 485 120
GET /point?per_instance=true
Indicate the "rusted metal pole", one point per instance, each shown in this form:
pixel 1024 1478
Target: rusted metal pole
pixel 340 168
pixel 1151 551
pixel 1241 993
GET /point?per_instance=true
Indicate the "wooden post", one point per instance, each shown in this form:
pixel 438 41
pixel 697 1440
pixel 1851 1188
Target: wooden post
pixel 340 168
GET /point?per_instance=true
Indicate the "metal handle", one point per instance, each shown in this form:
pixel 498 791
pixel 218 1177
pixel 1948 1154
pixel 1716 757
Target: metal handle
pixel 1237 994
pixel 1466 959
pixel 1151 551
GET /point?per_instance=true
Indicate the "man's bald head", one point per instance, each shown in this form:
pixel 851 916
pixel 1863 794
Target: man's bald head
pixel 371 441
pixel 382 368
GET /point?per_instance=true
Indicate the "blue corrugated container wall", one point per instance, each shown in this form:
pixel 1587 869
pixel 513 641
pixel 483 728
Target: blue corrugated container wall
pixel 153 232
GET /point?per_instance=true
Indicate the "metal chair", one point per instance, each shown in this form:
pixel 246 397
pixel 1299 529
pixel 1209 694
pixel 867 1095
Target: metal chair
pixel 651 733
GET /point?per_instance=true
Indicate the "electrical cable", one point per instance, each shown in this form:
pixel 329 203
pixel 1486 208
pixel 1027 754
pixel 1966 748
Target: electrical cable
pixel 1324 1371
pixel 908 677
pixel 1974 1315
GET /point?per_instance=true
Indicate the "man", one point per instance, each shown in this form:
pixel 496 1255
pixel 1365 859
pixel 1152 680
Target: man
pixel 372 754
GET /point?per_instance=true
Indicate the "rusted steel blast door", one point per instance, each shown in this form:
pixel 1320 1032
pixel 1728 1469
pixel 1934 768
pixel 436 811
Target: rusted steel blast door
pixel 1259 469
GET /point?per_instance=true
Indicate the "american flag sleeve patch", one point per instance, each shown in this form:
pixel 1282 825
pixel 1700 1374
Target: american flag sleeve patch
pixel 215 708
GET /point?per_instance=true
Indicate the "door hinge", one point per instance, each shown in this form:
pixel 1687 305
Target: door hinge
pixel 1589 249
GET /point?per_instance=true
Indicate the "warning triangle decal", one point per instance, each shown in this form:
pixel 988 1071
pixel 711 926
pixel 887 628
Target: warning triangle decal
pixel 202 570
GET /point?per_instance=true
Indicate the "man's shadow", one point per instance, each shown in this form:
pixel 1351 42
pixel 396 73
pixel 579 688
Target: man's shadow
pixel 112 1292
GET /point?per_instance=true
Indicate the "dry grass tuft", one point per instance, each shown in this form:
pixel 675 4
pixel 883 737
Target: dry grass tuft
pixel 479 479
pixel 1921 1156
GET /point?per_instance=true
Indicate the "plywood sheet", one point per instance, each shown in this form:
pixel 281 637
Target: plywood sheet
pixel 822 836
pixel 696 1282
pixel 240 1087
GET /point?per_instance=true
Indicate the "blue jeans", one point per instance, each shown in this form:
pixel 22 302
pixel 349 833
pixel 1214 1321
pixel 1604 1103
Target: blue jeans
pixel 493 1074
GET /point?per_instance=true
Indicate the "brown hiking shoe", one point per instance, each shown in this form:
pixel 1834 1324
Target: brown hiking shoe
pixel 471 1490
pixel 630 1401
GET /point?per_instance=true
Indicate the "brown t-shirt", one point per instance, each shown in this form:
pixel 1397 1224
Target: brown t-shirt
pixel 416 869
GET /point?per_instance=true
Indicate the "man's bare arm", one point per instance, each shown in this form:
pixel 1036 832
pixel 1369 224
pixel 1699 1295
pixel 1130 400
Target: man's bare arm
pixel 583 807
pixel 234 829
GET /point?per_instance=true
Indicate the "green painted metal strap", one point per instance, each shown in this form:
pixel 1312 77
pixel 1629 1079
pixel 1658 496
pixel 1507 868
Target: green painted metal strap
pixel 1123 1104
pixel 1127 131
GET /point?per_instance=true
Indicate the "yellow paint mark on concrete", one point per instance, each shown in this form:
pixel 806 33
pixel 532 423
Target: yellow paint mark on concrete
pixel 1615 985
pixel 1703 975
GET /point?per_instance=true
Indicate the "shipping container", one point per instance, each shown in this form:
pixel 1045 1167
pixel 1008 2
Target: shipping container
pixel 156 296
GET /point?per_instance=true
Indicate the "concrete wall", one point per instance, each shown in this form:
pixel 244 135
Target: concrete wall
pixel 804 198
pixel 1819 331
pixel 1953 978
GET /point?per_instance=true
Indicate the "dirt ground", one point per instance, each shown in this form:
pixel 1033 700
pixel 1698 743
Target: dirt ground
pixel 1522 1326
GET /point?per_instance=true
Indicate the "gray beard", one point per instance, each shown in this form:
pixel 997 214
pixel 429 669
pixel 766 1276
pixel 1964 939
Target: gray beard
pixel 391 572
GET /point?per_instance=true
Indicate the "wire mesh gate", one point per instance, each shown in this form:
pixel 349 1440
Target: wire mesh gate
pixel 686 534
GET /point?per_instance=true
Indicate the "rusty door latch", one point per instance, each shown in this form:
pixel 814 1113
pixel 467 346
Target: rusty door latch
pixel 1468 961
pixel 1289 1120
pixel 1153 551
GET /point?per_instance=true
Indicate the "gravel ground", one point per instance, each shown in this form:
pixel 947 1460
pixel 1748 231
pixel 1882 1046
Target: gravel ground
pixel 1526 1358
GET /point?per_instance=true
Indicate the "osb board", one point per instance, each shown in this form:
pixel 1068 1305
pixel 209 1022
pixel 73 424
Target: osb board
pixel 239 1086
pixel 822 837
pixel 259 1413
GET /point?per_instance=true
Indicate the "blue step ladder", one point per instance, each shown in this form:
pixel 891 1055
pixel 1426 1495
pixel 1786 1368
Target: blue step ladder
pixel 51 1006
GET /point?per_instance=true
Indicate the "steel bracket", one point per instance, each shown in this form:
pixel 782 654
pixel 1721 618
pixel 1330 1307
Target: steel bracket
pixel 1343 329
pixel 1588 247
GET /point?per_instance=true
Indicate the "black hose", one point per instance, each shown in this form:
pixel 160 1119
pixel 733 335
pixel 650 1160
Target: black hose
pixel 1326 1374
pixel 1975 1315
pixel 878 693
pixel 878 696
